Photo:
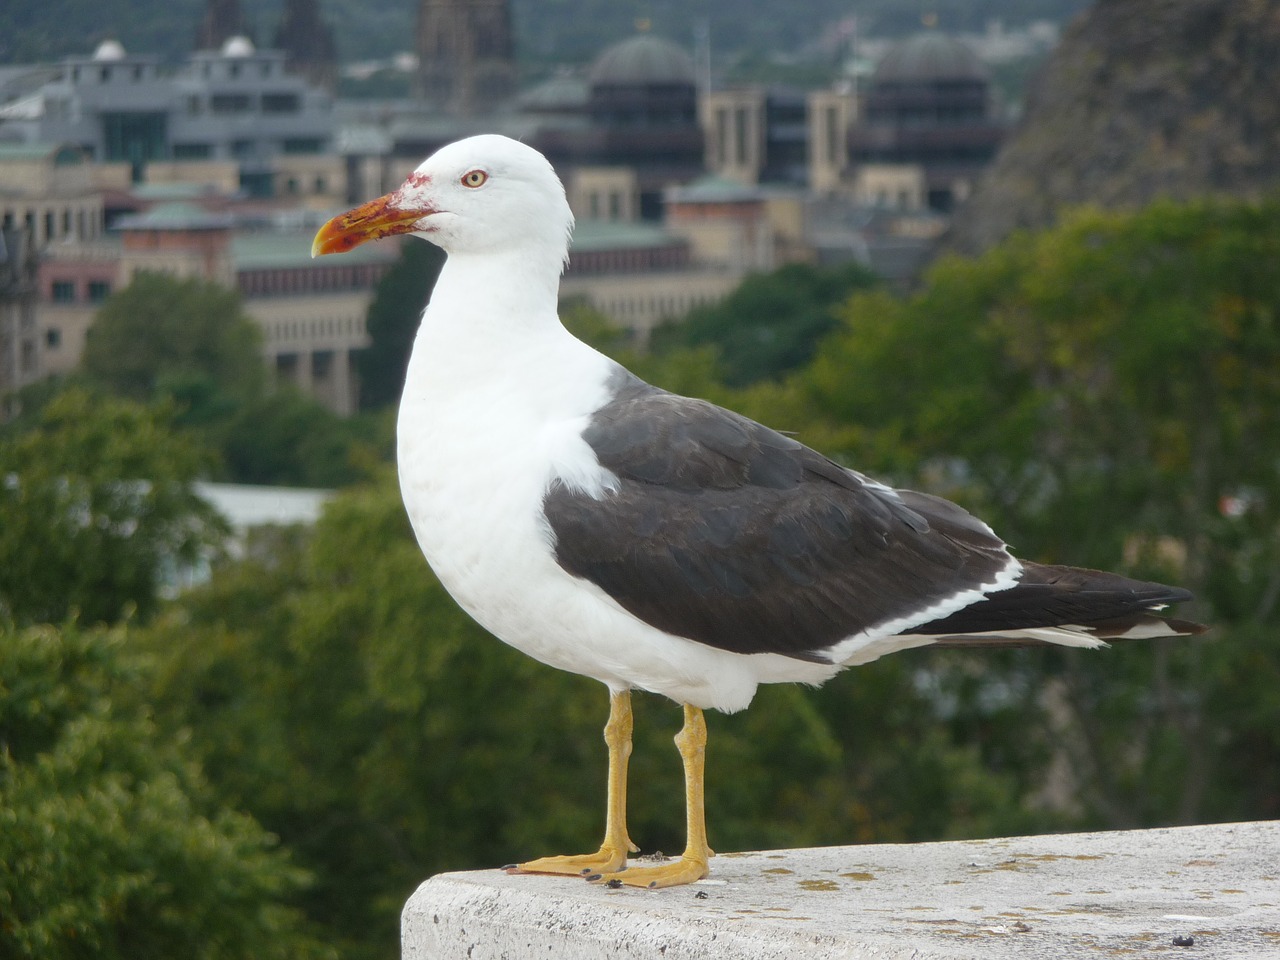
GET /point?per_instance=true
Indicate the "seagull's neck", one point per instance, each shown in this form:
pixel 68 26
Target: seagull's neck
pixel 491 296
pixel 491 330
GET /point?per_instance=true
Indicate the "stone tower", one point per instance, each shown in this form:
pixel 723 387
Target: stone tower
pixel 308 41
pixel 222 20
pixel 466 60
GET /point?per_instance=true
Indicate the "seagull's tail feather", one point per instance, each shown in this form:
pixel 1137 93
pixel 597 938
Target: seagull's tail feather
pixel 1068 606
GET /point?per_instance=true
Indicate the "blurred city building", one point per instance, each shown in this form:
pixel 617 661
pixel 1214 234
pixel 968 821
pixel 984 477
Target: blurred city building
pixel 466 56
pixel 929 125
pixel 234 105
pixel 219 166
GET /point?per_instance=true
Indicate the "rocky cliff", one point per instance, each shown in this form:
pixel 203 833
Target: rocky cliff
pixel 1143 98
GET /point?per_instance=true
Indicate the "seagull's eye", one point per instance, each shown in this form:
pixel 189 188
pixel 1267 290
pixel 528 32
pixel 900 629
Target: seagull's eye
pixel 475 178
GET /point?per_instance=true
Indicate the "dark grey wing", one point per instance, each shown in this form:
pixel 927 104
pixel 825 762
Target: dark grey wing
pixel 731 534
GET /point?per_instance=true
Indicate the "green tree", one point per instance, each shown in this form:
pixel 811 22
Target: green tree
pixel 189 343
pixel 1100 392
pixel 397 307
pixel 771 324
pixel 285 437
pixel 111 845
pixel 97 504
pixel 188 338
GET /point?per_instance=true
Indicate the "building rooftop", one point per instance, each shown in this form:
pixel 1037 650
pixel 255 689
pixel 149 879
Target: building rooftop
pixel 245 505
pixel 62 154
pixel 170 190
pixel 642 60
pixel 175 216
pixel 929 57
pixel 271 249
pixel 713 188
pixel 563 92
pixel 592 236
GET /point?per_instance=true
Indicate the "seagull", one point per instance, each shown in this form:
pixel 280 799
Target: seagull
pixel 656 542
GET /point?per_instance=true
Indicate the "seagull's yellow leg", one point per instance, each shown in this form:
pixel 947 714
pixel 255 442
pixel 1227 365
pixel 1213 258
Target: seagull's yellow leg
pixel 694 863
pixel 613 852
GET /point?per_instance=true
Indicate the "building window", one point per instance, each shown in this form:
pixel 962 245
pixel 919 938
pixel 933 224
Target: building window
pixel 195 106
pixel 303 145
pixel 322 364
pixel 192 151
pixel 99 290
pixel 63 291
pixel 135 136
pixel 53 338
pixel 321 185
pixel 230 103
pixel 281 103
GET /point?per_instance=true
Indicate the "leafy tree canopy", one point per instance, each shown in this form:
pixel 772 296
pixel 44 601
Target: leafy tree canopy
pixel 1106 394
pixel 161 334
pixel 771 324
pixel 97 504
pixel 188 343
pixel 111 845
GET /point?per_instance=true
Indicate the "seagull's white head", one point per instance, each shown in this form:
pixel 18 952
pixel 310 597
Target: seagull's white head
pixel 480 195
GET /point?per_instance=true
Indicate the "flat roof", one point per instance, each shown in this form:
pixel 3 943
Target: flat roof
pixel 270 249
pixel 593 235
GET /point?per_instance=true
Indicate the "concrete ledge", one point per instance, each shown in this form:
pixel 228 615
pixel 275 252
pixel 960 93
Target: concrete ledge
pixel 1072 895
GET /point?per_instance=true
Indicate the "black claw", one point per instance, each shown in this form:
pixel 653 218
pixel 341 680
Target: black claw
pixel 614 884
pixel 652 884
pixel 510 866
pixel 592 877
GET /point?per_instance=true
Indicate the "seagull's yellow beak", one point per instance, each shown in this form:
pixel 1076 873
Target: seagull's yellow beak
pixel 369 221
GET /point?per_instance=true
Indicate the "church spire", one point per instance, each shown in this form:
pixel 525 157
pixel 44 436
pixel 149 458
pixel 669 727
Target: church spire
pixel 465 55
pixel 223 19
pixel 308 41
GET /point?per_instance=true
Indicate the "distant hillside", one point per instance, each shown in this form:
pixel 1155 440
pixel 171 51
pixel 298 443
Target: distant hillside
pixel 1142 98
pixel 562 30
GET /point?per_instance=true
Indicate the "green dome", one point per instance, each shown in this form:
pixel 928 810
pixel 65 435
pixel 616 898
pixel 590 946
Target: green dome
pixel 642 60
pixel 929 57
